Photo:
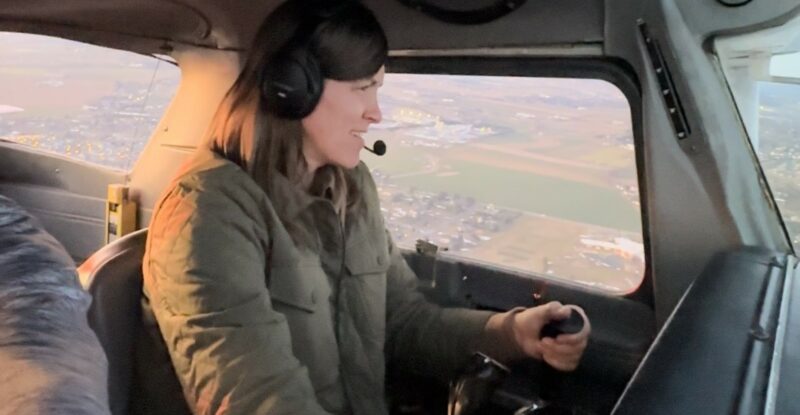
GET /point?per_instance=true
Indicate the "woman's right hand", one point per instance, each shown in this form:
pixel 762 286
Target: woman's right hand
pixel 563 352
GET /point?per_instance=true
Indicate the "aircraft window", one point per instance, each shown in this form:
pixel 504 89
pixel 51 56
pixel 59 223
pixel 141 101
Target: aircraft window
pixel 779 148
pixel 534 175
pixel 763 72
pixel 82 101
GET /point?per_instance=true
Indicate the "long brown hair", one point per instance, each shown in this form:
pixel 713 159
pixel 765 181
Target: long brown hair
pixel 349 45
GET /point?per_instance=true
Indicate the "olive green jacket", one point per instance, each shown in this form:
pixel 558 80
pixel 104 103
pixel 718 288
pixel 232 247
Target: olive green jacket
pixel 255 324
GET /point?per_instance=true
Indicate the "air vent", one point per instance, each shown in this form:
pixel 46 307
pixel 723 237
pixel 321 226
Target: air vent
pixel 666 85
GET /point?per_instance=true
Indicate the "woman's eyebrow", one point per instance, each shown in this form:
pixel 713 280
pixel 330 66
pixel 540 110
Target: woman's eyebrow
pixel 372 82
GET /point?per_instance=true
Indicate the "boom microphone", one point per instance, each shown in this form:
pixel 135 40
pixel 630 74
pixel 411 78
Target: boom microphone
pixel 378 149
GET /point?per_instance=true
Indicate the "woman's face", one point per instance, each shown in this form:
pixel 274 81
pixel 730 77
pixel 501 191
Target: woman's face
pixel 334 130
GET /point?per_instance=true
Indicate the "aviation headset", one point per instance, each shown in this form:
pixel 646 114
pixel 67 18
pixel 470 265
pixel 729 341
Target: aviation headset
pixel 292 82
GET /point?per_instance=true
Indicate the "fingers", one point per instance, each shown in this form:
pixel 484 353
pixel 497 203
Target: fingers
pixel 579 337
pixel 565 351
pixel 570 339
pixel 561 363
pixel 556 311
pixel 564 344
pixel 561 356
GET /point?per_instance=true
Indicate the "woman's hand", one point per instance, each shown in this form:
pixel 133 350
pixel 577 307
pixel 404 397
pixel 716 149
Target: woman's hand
pixel 563 352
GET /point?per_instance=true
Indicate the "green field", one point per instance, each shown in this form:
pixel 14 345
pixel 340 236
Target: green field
pixel 398 159
pixel 524 191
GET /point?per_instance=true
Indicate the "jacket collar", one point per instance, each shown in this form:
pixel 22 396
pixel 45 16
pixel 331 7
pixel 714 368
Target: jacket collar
pixel 287 198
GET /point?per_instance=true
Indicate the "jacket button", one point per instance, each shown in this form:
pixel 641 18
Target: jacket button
pixel 380 260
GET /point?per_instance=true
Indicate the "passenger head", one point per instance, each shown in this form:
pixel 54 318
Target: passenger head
pixel 264 126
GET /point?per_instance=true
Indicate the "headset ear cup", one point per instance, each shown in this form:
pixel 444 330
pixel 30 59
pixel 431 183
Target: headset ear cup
pixel 292 84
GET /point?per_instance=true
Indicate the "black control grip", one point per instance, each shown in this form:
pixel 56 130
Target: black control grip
pixel 570 325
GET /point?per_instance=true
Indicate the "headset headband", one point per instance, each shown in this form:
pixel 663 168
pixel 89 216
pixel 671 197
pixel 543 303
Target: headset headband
pixel 292 82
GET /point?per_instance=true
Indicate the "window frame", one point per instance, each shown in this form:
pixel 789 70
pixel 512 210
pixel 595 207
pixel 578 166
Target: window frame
pixel 615 71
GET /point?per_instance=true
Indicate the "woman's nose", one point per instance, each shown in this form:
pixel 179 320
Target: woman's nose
pixel 373 113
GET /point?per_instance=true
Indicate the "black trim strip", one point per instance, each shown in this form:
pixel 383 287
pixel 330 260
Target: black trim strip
pixel 677 115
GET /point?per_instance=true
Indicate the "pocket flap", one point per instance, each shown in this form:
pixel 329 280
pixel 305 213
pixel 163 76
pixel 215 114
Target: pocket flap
pixel 367 259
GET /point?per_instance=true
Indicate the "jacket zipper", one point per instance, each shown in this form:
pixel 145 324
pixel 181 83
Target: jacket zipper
pixel 337 312
pixel 339 277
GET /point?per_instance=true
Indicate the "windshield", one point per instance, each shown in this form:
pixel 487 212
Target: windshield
pixel 763 72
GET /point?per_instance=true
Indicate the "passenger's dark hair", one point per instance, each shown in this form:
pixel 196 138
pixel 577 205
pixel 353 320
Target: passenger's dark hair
pixel 349 44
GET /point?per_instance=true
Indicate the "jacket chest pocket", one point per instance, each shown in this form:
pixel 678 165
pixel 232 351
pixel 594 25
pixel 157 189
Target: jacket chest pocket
pixel 367 263
pixel 301 285
pixel 364 295
pixel 368 256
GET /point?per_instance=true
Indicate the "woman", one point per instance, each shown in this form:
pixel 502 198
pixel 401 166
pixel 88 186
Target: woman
pixel 268 268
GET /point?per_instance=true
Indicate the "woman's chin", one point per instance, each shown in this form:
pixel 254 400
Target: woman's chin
pixel 349 163
pixel 352 165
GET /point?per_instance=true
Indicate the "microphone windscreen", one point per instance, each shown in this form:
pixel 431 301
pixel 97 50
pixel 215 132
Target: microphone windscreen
pixel 379 148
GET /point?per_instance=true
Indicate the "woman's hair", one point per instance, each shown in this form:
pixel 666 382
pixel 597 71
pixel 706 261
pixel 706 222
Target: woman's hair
pixel 349 44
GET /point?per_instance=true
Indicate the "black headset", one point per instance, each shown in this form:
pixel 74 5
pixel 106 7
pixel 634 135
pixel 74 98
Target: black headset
pixel 292 81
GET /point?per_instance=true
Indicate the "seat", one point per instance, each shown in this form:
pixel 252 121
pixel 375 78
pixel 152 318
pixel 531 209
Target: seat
pixel 113 276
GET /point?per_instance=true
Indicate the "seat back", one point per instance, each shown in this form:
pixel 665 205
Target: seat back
pixel 113 276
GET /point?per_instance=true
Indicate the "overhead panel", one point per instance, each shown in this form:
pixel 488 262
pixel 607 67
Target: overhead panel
pixel 153 19
pixel 144 25
pixel 531 23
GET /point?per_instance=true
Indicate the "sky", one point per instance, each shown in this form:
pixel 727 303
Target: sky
pixel 785 65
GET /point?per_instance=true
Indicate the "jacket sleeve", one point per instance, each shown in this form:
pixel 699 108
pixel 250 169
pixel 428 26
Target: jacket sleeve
pixel 204 274
pixel 421 336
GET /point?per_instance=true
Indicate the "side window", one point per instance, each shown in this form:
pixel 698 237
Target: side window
pixel 779 148
pixel 536 175
pixel 81 101
pixel 763 73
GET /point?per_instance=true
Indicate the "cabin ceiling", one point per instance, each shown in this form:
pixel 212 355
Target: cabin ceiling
pixel 147 25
